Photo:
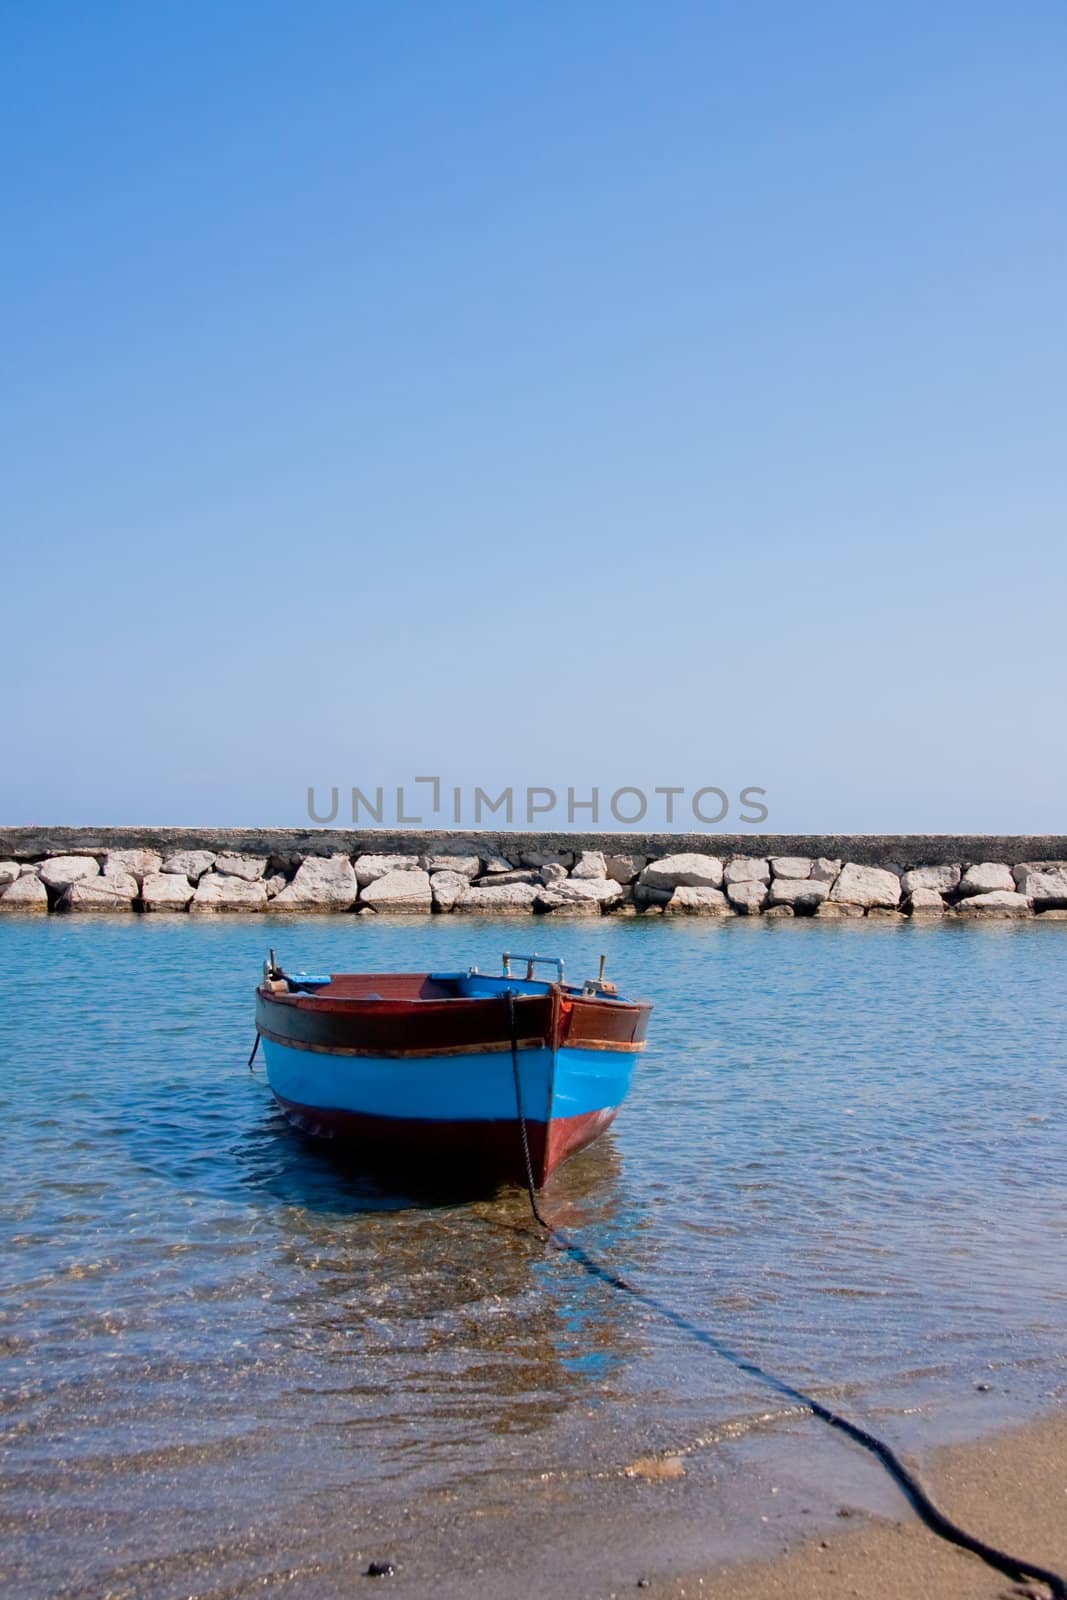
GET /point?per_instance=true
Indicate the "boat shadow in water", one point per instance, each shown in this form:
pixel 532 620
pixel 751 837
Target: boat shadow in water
pixel 322 1175
pixel 316 1174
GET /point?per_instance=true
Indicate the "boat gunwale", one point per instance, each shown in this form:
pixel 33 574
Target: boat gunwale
pixel 346 1004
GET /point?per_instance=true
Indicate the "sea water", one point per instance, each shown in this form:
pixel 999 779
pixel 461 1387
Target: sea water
pixel 233 1359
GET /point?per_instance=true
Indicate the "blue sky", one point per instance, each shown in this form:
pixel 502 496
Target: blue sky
pixel 593 395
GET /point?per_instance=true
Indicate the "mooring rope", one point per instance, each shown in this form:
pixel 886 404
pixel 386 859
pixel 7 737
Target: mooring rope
pixel 936 1520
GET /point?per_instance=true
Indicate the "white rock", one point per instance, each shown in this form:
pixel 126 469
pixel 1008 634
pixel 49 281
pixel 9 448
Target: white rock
pixel 866 886
pixel 837 911
pixel 166 891
pixel 61 871
pixel 140 864
pixel 467 866
pixel 219 892
pixel 791 866
pixel 114 891
pixel 986 878
pixel 685 871
pixel 824 870
pixel 10 871
pixel 748 869
pixel 781 911
pixel 590 864
pixel 547 858
pixel 995 903
pixel 492 864
pixel 925 903
pixel 553 872
pixel 1047 887
pixel 571 890
pixel 748 896
pixel 27 893
pixel 322 883
pixel 447 888
pixel 511 899
pixel 942 880
pixel 275 884
pixel 248 868
pixel 697 901
pixel 803 894
pixel 190 864
pixel 370 868
pixel 401 891
pixel 624 868
pixel 516 875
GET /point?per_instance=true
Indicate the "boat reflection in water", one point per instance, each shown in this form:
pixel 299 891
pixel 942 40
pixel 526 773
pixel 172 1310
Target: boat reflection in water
pixel 421 1328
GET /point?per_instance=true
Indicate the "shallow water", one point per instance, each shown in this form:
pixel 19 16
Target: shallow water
pixel 228 1352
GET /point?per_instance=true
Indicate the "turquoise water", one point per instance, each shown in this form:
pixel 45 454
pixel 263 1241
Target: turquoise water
pixel 227 1351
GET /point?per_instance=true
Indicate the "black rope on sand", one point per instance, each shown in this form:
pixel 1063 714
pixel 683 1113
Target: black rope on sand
pixel 1019 1570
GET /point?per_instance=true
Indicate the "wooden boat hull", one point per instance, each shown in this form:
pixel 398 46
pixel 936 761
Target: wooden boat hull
pixel 432 1077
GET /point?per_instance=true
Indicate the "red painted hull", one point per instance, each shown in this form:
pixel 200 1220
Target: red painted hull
pixel 490 1149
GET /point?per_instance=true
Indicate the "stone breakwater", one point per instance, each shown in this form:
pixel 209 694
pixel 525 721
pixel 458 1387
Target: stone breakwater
pixel 176 871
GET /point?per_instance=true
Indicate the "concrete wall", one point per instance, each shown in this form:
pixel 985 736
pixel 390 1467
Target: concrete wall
pixel 868 849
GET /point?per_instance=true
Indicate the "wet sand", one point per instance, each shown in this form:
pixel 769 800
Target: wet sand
pixel 669 1526
pixel 1010 1489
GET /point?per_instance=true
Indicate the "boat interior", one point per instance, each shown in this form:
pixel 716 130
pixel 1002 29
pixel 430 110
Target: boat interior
pixel 470 985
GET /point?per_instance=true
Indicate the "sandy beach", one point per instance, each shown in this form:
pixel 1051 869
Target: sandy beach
pixel 1009 1489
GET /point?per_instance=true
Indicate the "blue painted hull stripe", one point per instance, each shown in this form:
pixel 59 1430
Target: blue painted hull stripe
pixel 477 1087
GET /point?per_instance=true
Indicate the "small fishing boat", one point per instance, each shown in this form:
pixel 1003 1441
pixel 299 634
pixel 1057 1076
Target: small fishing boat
pixel 452 1068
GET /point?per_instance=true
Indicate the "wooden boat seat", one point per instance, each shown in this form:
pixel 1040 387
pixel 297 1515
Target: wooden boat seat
pixel 385 986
